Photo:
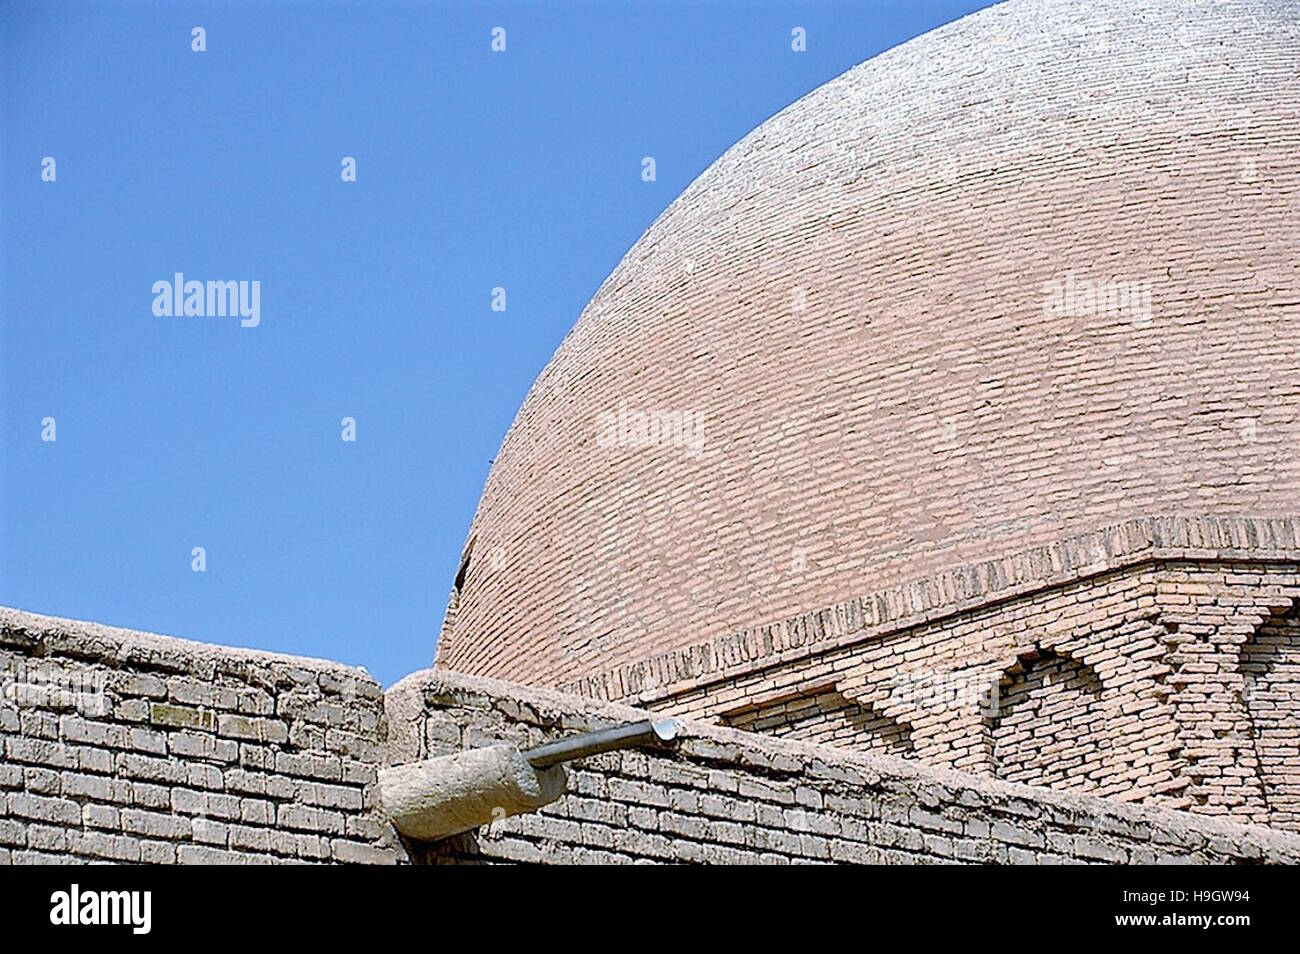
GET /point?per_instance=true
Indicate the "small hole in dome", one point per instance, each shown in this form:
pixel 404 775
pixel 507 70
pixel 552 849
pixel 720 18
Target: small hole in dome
pixel 459 584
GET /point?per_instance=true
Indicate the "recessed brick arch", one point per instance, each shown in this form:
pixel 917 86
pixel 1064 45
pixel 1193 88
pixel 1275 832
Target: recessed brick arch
pixel 1270 666
pixel 825 716
pixel 1047 727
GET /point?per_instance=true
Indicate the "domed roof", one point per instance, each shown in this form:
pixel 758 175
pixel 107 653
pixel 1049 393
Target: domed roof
pixel 1025 276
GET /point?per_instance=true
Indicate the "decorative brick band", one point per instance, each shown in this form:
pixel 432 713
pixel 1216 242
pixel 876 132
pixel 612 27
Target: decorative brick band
pixel 959 590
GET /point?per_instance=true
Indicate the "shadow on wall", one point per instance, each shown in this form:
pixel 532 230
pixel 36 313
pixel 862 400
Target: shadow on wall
pixel 825 716
pixel 1270 663
pixel 1048 722
pixel 1170 681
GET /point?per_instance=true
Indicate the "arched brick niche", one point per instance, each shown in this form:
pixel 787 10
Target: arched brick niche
pixel 1183 640
pixel 1047 727
pixel 826 716
pixel 1270 665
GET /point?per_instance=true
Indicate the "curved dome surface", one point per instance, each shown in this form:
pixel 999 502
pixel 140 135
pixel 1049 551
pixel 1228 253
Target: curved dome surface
pixel 1025 276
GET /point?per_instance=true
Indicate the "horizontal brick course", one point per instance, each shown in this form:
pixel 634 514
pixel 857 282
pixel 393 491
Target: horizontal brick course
pixel 123 746
pixel 777 801
pixel 853 302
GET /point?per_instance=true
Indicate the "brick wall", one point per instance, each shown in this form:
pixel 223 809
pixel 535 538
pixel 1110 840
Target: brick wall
pixel 1270 664
pixel 732 796
pixel 825 717
pixel 1059 687
pixel 123 746
pixel 1170 680
pixel 1229 637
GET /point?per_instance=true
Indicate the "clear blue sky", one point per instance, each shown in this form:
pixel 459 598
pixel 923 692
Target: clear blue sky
pixel 474 170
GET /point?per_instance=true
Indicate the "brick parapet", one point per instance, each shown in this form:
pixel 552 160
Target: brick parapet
pixel 731 796
pixel 124 746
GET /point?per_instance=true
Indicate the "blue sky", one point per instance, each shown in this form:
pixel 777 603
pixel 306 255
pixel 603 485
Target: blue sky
pixel 474 170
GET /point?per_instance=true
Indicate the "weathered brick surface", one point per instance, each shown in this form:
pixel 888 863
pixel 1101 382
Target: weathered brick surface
pixel 1232 649
pixel 1166 680
pixel 852 298
pixel 1153 661
pixel 728 796
pixel 123 746
pixel 824 715
pixel 1270 664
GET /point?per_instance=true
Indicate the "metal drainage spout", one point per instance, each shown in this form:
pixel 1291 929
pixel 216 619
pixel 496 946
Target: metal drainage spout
pixel 652 733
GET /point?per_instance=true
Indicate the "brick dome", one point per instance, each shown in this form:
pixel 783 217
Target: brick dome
pixel 1026 276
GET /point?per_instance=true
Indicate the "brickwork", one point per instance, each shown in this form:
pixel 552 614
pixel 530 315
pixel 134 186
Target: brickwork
pixel 1270 662
pixel 1170 680
pixel 965 590
pixel 123 746
pixel 1210 617
pixel 1051 724
pixel 826 717
pixel 732 796
pixel 944 679
pixel 929 512
pixel 854 301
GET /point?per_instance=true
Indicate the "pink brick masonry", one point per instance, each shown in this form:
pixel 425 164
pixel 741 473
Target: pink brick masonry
pixel 856 302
